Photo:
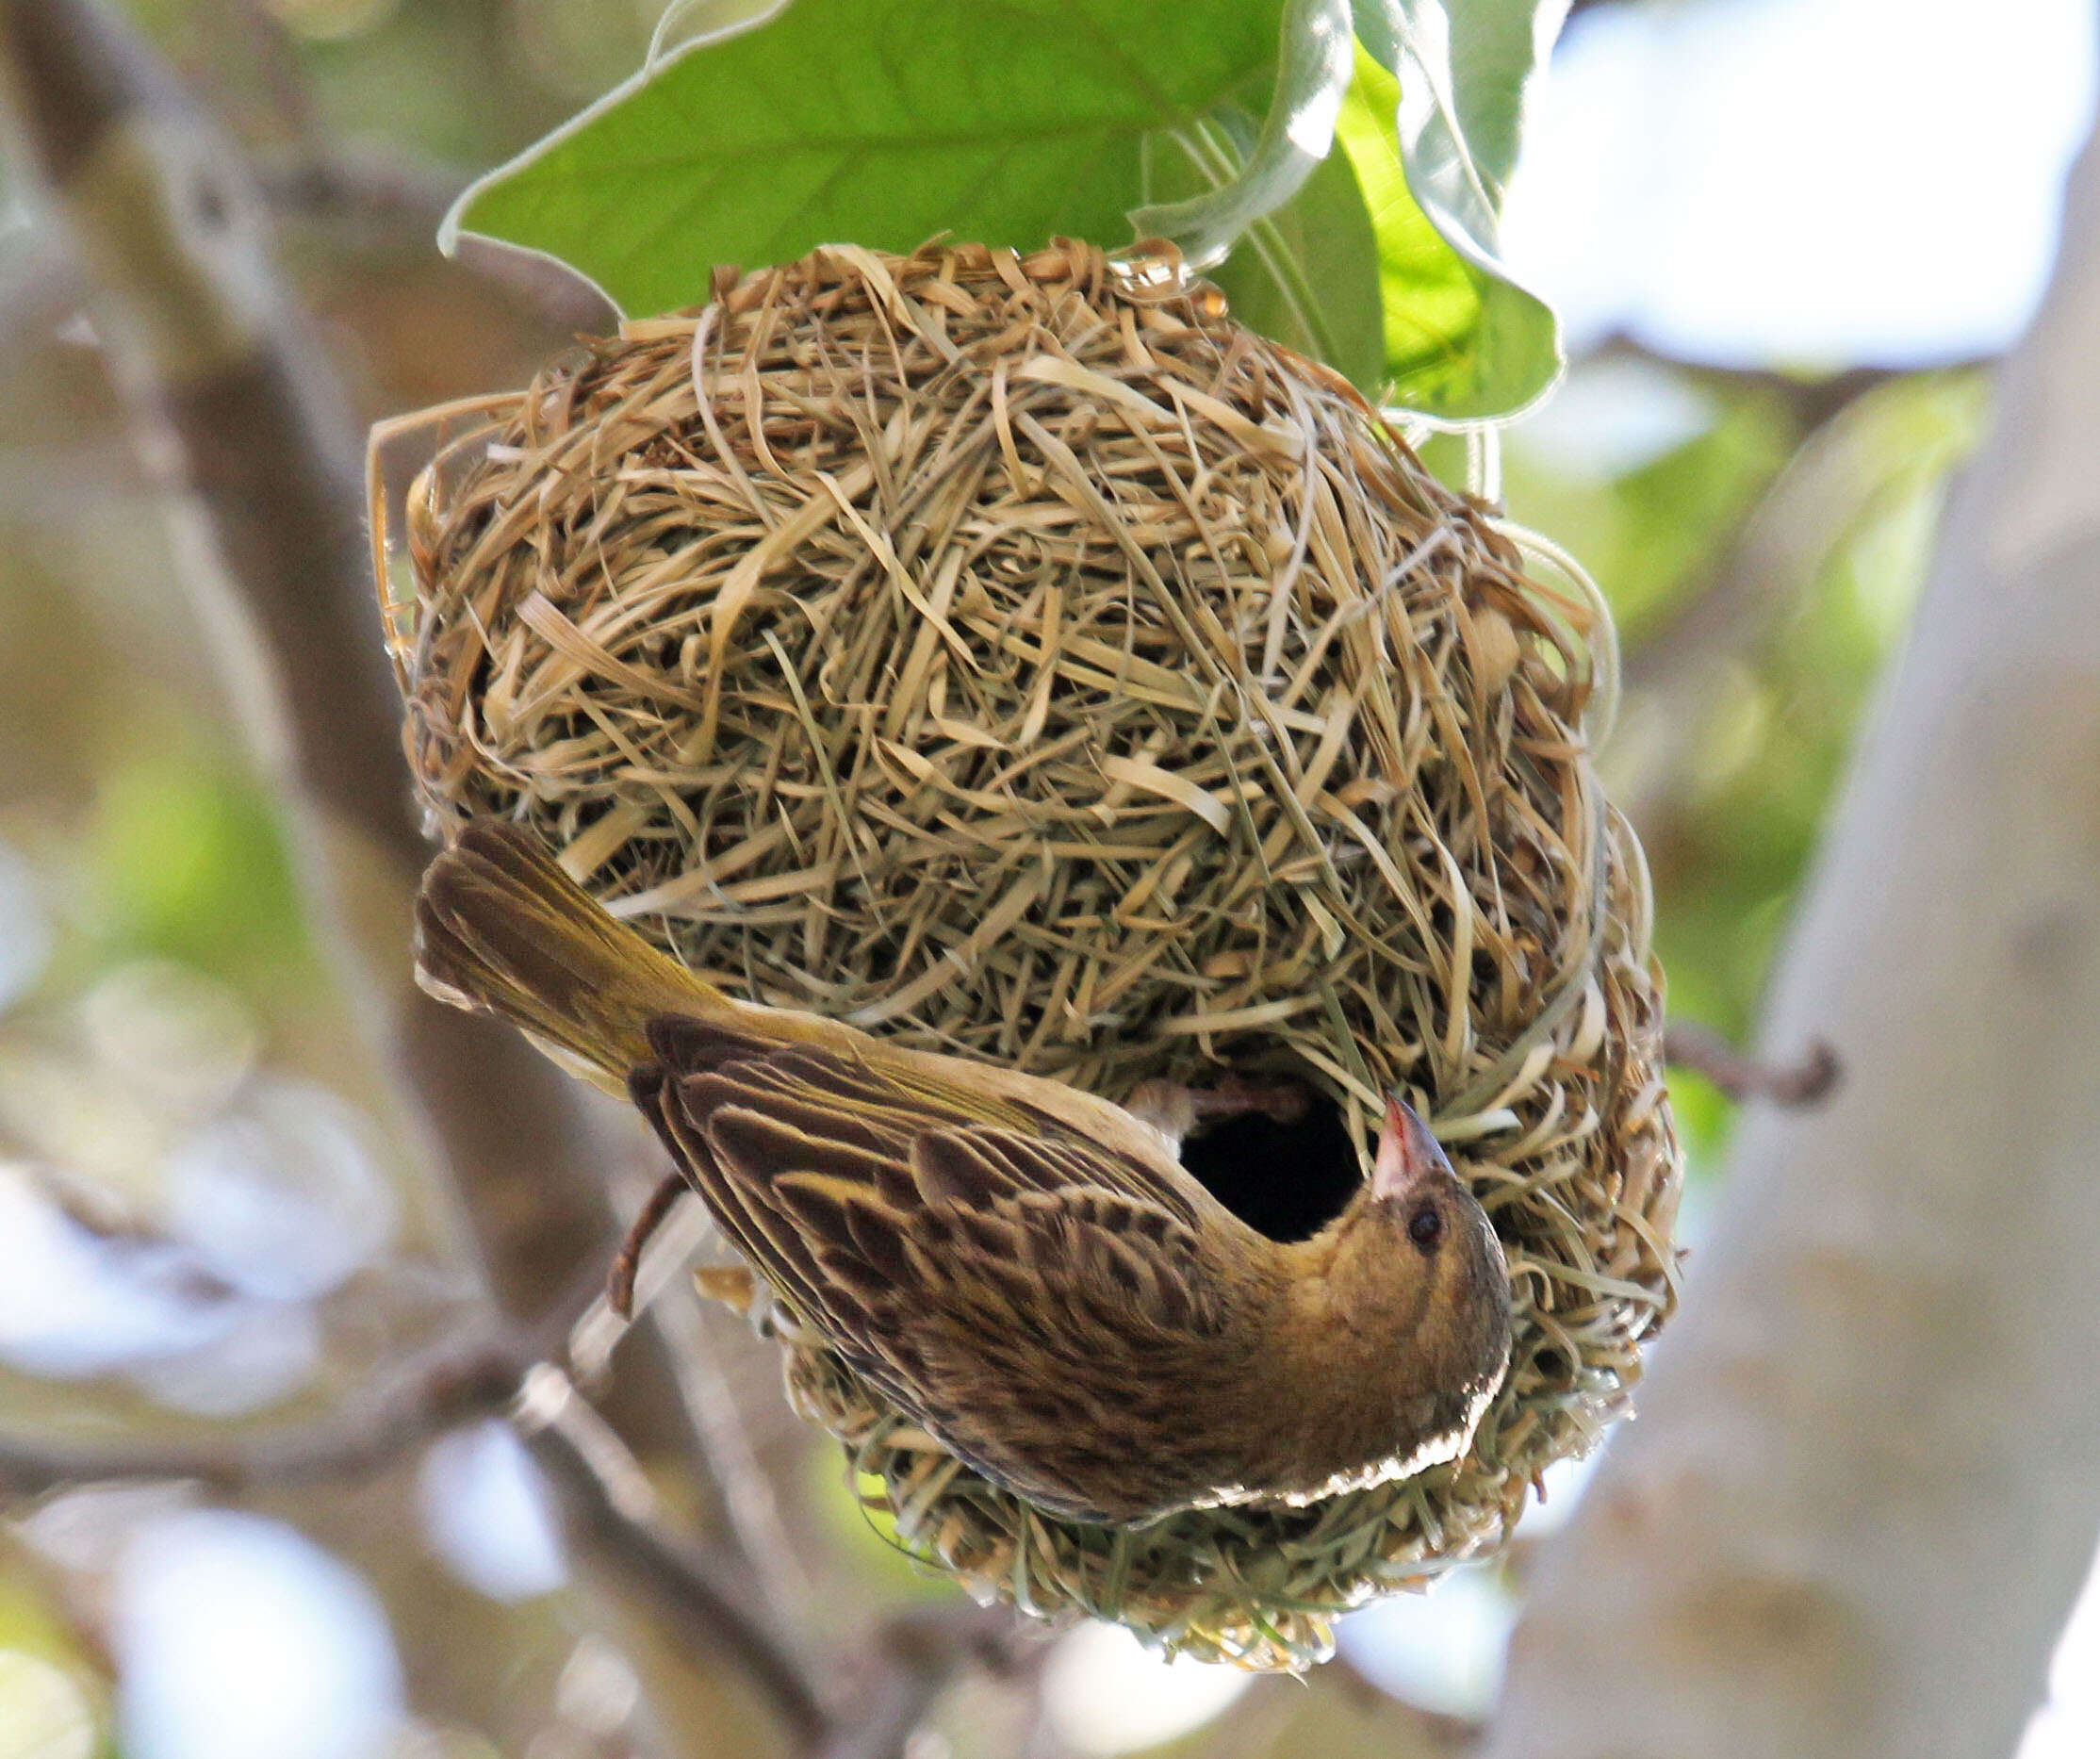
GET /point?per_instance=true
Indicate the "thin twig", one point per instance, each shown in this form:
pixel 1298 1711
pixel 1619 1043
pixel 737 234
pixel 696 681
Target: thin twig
pixel 608 1497
pixel 923 1651
pixel 214 358
pixel 1741 1077
pixel 749 1502
pixel 473 1369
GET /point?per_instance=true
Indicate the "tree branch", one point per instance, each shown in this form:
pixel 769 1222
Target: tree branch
pixel 1860 1504
pixel 479 1370
pixel 1840 458
pixel 469 1371
pixel 361 184
pixel 1740 1076
pixel 1783 535
pixel 609 1499
pixel 227 389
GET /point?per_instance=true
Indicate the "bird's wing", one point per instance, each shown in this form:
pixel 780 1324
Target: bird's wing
pixel 1010 1286
pixel 900 1095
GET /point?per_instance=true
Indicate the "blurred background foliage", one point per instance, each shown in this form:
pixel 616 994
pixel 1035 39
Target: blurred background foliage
pixel 203 1211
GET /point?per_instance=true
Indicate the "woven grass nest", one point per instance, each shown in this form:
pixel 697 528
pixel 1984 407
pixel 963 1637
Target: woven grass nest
pixel 1016 656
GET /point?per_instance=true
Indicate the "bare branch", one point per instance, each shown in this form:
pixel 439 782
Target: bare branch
pixel 471 1369
pixel 1705 1051
pixel 361 184
pixel 478 1372
pixel 609 1499
pixel 923 1653
pixel 236 412
pixel 229 394
pixel 227 389
pixel 1841 457
pixel 1782 538
pixel 1810 398
pixel 748 1500
pixel 465 1373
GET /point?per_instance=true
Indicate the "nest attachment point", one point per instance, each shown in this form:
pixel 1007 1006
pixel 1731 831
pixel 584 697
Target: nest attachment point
pixel 1015 656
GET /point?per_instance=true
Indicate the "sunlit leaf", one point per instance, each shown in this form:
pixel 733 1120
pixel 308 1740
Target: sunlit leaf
pixel 1310 276
pixel 1297 134
pixel 1469 68
pixel 757 133
pixel 883 122
pixel 1306 274
pixel 1462 342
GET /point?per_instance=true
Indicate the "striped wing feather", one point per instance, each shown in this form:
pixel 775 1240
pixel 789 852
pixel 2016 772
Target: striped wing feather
pixel 1004 1281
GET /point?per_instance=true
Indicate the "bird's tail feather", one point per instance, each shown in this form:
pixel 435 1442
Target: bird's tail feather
pixel 501 929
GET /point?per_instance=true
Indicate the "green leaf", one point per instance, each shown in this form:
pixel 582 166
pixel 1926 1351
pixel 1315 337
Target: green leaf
pixel 1308 275
pixel 883 122
pixel 1463 341
pixel 1478 62
pixel 1297 134
pixel 1305 274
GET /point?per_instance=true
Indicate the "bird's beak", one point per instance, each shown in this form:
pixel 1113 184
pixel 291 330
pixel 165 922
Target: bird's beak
pixel 1408 1153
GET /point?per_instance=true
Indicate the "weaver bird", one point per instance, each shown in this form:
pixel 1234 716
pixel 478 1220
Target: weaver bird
pixel 1023 1269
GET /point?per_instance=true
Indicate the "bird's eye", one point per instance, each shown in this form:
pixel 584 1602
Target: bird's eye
pixel 1425 1227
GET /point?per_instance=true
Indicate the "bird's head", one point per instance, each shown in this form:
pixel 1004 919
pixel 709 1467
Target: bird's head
pixel 1419 1259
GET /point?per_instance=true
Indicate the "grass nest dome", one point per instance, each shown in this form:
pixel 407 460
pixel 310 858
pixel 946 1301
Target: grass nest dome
pixel 1016 656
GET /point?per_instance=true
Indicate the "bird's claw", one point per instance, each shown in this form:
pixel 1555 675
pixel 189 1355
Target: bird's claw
pixel 1177 1110
pixel 1276 1097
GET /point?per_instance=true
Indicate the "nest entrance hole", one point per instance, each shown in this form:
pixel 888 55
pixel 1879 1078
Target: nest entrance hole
pixel 1285 1181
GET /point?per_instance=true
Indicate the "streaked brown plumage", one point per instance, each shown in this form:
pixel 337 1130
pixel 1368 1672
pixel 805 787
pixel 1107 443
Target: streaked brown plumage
pixel 1021 1268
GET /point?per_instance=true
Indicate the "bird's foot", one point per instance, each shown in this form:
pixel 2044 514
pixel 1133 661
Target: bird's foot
pixel 1175 1109
pixel 733 1285
pixel 1276 1097
pixel 627 1261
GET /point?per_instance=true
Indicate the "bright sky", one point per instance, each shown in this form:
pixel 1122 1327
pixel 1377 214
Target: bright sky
pixel 1804 182
pixel 2068 1726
